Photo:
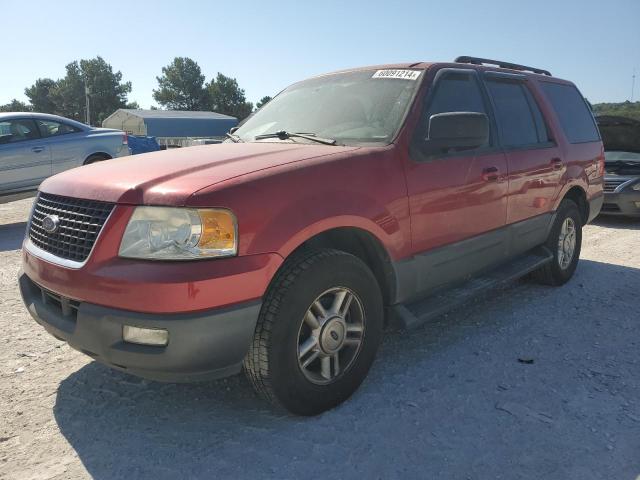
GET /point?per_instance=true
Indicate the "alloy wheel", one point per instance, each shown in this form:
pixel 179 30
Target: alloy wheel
pixel 566 243
pixel 330 335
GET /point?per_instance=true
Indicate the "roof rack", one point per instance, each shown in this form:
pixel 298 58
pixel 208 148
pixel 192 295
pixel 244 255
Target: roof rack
pixel 501 64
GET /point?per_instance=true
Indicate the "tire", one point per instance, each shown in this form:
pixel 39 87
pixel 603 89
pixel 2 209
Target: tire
pixel 285 329
pixel 95 158
pixel 559 271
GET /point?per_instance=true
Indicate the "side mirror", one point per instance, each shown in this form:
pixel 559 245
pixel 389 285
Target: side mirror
pixel 233 130
pixel 457 131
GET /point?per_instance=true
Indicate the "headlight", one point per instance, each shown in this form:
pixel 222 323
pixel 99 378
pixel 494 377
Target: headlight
pixel 163 233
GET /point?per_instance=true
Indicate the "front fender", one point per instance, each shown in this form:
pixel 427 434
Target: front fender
pixel 279 209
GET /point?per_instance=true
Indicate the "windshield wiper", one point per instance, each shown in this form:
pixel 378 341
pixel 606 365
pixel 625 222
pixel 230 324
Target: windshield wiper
pixel 284 135
pixel 234 138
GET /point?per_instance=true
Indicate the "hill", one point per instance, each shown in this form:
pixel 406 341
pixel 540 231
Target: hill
pixel 623 109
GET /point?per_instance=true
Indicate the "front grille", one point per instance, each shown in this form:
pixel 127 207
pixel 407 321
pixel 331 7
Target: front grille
pixel 80 222
pixel 611 184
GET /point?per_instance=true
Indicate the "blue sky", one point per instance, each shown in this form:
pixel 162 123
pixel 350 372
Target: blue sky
pixel 268 45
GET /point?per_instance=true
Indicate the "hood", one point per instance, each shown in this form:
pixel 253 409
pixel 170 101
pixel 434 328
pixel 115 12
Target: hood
pixel 619 134
pixel 170 177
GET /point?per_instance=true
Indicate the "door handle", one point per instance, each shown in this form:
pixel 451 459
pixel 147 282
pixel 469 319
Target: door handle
pixel 556 163
pixel 490 174
pixel 37 149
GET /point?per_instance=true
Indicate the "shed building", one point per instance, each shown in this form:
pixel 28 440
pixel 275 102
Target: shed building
pixel 171 127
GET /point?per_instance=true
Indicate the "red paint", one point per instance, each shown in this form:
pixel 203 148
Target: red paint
pixel 283 194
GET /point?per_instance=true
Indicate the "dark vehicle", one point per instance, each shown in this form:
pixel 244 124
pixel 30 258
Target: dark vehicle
pixel 621 139
pixel 352 199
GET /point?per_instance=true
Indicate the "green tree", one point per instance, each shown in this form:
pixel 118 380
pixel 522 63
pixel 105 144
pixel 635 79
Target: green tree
pixel 66 97
pixel 39 95
pixel 263 101
pixel 181 86
pixel 622 109
pixel 15 106
pixel 226 97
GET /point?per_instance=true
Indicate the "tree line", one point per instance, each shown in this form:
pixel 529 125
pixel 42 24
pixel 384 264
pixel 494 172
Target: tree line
pixel 623 109
pixel 182 86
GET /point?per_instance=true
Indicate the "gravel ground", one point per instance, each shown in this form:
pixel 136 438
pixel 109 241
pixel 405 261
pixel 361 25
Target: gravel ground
pixel 450 400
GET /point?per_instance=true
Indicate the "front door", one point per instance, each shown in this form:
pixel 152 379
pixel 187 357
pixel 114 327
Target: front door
pixel 24 160
pixel 457 200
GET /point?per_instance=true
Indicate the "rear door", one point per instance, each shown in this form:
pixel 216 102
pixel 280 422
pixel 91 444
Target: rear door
pixel 24 160
pixel 534 158
pixel 458 200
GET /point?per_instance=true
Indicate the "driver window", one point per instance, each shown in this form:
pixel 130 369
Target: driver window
pixel 12 131
pixel 456 92
pixel 453 91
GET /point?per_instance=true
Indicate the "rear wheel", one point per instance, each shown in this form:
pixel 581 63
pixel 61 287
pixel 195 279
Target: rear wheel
pixel 564 241
pixel 318 332
pixel 95 158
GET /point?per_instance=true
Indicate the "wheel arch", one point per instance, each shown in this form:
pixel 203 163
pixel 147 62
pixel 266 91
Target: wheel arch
pixel 362 244
pixel 579 196
pixel 96 155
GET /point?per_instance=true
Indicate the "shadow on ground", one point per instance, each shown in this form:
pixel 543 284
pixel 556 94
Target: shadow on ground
pixel 11 236
pixel 449 400
pixel 614 221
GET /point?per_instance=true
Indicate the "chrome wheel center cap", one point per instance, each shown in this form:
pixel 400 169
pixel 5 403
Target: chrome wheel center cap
pixel 334 331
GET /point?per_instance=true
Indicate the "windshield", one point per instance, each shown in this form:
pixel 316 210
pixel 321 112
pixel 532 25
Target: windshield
pixel 354 108
pixel 621 156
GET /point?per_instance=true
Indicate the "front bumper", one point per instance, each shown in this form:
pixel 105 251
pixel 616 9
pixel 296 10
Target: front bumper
pixel 202 346
pixel 625 203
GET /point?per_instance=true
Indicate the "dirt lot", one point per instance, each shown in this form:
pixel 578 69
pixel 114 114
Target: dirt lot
pixel 450 400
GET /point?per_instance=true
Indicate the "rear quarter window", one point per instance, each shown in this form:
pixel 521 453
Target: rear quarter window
pixel 572 111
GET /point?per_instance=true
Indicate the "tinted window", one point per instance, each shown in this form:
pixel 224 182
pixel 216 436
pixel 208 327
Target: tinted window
pixel 49 128
pixel 541 126
pixel 515 113
pixel 456 92
pixel 573 112
pixel 17 131
pixel 453 91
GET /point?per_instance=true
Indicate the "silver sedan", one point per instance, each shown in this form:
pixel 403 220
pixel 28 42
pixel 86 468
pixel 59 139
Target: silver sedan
pixel 34 146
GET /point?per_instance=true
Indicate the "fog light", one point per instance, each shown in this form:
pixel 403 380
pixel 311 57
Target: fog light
pixel 145 336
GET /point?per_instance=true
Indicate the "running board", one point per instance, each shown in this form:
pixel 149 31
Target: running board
pixel 410 315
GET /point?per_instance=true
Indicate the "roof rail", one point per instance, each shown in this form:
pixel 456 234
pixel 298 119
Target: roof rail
pixel 501 64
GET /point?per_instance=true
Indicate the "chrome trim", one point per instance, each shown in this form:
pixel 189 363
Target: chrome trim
pixel 51 258
pixel 626 181
pixel 624 185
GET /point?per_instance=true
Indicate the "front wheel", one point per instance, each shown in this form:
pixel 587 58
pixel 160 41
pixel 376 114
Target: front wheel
pixel 318 332
pixel 565 242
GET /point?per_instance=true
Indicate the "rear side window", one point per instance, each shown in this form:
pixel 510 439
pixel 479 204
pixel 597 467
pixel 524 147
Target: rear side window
pixel 572 110
pixel 49 128
pixel 520 120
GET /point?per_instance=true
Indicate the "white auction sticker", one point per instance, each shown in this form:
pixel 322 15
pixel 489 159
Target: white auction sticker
pixel 401 74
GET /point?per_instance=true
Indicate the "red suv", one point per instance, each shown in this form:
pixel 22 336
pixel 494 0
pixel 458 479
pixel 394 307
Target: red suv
pixel 373 195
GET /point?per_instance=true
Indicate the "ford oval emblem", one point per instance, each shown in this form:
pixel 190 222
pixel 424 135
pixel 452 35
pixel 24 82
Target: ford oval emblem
pixel 50 223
